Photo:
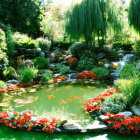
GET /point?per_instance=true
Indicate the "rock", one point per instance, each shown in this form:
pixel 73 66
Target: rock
pixel 97 126
pixel 126 114
pixel 136 110
pixel 121 52
pixel 107 65
pixel 100 56
pixel 102 117
pixel 12 82
pixel 138 66
pixel 67 57
pixel 42 54
pixel 52 67
pixel 72 127
pixel 42 71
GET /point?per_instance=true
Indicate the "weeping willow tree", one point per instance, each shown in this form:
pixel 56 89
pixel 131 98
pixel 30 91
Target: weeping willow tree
pixel 134 14
pixel 92 18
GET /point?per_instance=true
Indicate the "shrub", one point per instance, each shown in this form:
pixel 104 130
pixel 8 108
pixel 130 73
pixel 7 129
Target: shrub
pixel 130 89
pixel 129 70
pixel 63 69
pixel 3 61
pixel 23 41
pixel 10 45
pixel 123 45
pixel 100 72
pixel 10 72
pixel 87 61
pixel 47 76
pixel 41 62
pixel 113 104
pixel 58 55
pixel 77 49
pixel 136 47
pixel 2 40
pixel 27 74
pixel 2 85
pixel 44 44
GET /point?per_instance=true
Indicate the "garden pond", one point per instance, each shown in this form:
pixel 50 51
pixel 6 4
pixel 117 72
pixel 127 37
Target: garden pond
pixel 65 102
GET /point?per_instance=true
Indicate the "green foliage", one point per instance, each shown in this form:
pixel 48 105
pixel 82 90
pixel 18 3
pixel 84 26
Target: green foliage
pixel 44 44
pixel 62 69
pixel 3 61
pixel 129 71
pixel 113 104
pixel 91 18
pixel 101 72
pixel 137 47
pixel 87 61
pixel 23 41
pixel 130 89
pixel 77 49
pixel 10 45
pixel 134 14
pixel 47 76
pixel 9 71
pixel 2 85
pixel 127 45
pixel 23 15
pixel 41 62
pixel 52 24
pixel 26 74
pixel 2 41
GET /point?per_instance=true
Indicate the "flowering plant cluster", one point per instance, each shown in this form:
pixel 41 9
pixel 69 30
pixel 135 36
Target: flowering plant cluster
pixel 24 121
pixel 72 60
pixel 59 79
pixel 123 125
pixel 94 104
pixel 86 75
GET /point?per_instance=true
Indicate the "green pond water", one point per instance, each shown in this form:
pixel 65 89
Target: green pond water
pixel 64 102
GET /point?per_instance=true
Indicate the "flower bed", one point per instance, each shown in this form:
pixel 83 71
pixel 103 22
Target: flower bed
pixel 123 125
pixel 86 75
pixel 24 121
pixel 118 122
pixel 59 79
pixel 72 60
pixel 94 104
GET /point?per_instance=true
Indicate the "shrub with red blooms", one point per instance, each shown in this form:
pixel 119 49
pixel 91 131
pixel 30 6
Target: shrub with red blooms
pixel 59 79
pixel 86 75
pixel 94 104
pixel 123 125
pixel 24 120
pixel 72 60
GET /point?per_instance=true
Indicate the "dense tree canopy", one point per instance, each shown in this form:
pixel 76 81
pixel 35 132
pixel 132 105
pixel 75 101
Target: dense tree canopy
pixel 134 14
pixel 23 15
pixel 91 18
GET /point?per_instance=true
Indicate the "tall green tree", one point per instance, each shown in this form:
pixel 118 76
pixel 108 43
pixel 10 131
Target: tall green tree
pixel 134 14
pixel 23 15
pixel 92 18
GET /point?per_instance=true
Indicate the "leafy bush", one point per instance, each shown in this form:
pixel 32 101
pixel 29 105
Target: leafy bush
pixel 77 49
pixel 41 62
pixel 10 72
pixel 123 45
pixel 2 85
pixel 27 74
pixel 47 76
pixel 129 70
pixel 100 72
pixel 44 44
pixel 10 45
pixel 2 40
pixel 137 47
pixel 113 104
pixel 130 89
pixel 23 41
pixel 87 61
pixel 3 61
pixel 62 69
